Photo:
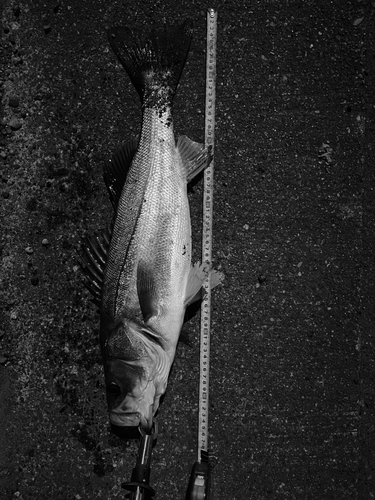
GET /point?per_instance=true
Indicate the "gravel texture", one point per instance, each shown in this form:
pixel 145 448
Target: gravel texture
pixel 293 343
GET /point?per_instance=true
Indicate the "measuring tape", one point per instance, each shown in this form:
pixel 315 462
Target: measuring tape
pixel 207 233
pixel 200 478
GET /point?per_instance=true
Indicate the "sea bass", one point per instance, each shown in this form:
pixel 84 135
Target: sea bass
pixel 140 271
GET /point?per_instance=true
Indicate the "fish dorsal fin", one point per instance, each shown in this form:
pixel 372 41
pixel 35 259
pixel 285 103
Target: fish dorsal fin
pixel 93 259
pixel 197 275
pixel 146 292
pixel 195 157
pixel 116 170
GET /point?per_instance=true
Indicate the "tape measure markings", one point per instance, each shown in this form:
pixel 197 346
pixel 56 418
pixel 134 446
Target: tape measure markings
pixel 207 234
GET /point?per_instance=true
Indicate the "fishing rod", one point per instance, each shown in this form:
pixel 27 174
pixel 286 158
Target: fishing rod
pixel 139 483
pixel 200 479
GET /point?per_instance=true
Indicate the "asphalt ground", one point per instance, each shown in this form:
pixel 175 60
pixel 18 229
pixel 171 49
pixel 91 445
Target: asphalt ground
pixel 292 351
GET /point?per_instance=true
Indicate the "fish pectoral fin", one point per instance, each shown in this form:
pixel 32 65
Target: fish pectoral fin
pixel 197 276
pixel 217 277
pixel 146 292
pixel 116 170
pixel 195 157
pixel 148 332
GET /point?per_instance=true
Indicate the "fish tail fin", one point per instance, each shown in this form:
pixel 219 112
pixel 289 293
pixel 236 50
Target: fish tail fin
pixel 155 64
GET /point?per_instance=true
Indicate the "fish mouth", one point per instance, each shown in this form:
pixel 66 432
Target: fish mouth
pixel 130 419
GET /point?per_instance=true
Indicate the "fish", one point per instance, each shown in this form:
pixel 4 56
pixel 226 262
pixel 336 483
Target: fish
pixel 139 268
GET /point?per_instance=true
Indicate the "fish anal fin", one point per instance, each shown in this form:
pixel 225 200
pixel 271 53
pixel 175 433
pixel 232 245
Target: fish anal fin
pixel 194 155
pixel 116 170
pixel 146 292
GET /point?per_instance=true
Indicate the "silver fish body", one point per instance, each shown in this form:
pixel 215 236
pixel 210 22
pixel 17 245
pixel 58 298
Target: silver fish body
pixel 147 279
pixel 146 285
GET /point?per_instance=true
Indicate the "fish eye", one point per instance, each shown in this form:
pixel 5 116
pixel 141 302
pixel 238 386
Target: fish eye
pixel 113 389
